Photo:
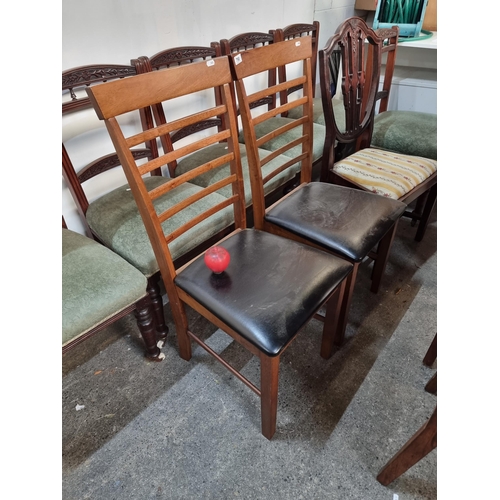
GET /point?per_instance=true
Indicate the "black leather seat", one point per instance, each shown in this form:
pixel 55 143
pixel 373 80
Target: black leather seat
pixel 299 279
pixel 346 221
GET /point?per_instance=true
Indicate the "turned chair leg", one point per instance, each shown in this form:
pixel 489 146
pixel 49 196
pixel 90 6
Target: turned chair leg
pixel 145 321
pixel 383 250
pixel 419 445
pixel 157 304
pixel 269 376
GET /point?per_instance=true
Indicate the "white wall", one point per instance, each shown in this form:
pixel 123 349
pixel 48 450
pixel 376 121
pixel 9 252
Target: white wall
pixel 114 31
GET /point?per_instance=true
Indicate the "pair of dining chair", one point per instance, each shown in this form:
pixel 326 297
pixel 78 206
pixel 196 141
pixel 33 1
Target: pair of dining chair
pixel 278 277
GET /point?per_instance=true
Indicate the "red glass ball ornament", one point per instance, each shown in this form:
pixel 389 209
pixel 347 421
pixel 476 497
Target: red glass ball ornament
pixel 217 259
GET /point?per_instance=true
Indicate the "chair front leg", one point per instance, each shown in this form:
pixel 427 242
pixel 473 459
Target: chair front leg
pixel 269 376
pixel 157 304
pixel 346 305
pixel 332 333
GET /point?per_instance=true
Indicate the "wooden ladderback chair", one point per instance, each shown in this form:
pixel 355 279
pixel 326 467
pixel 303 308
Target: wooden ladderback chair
pixel 99 288
pixel 346 222
pixel 247 42
pixel 348 158
pixel 271 286
pixel 299 30
pixel 108 216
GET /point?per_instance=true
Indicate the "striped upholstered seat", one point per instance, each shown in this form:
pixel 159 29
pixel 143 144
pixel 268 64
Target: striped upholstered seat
pixel 384 172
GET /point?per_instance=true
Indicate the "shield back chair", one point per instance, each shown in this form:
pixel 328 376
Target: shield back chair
pixel 250 41
pixel 272 286
pixel 98 288
pixel 348 159
pixel 344 221
pixel 177 56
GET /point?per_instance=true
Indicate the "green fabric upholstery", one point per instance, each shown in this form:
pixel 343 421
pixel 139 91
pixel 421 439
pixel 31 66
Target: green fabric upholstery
pixel 116 221
pixel 407 132
pixel 273 123
pixel 318 116
pixel 96 284
pixel 214 151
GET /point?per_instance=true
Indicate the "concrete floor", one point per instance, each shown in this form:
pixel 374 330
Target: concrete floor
pixel 190 430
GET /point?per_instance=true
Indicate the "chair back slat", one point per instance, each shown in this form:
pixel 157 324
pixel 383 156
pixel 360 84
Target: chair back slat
pixel 149 89
pixel 173 57
pixel 190 200
pixel 200 218
pixel 160 87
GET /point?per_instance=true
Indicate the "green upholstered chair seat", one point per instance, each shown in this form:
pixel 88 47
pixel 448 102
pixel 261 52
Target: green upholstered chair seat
pixel 407 132
pixel 214 151
pixel 318 116
pixel 116 221
pixel 273 123
pixel 96 284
